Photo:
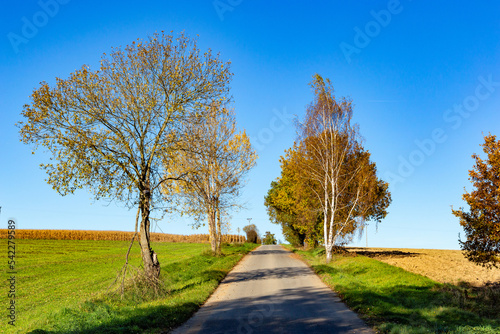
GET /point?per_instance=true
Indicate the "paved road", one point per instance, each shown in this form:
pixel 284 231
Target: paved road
pixel 270 291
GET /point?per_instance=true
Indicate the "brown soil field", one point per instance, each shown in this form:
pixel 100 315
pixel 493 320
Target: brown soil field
pixel 445 266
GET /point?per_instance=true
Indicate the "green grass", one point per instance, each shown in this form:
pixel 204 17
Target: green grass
pixel 61 286
pixel 393 300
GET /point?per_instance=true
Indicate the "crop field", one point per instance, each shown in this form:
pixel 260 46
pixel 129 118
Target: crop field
pixel 115 235
pixel 444 266
pixel 61 286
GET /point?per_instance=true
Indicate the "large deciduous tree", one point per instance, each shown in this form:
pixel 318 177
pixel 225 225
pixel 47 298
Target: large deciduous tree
pixel 291 203
pixel 482 223
pixel 332 158
pixel 215 161
pixel 113 130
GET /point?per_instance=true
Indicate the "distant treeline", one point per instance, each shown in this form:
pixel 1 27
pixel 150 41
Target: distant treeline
pixel 114 235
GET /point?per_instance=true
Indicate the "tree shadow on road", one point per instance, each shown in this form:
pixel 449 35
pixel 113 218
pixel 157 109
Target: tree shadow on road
pixel 264 251
pixel 304 310
pixel 271 273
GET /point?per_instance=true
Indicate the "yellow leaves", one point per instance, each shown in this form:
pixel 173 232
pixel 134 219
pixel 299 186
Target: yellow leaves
pixel 110 126
pixel 215 159
pixel 327 175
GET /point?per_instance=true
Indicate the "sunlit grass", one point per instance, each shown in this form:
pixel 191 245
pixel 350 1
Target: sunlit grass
pixel 61 286
pixel 396 301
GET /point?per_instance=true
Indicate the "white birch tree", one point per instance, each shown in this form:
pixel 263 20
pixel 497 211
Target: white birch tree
pixel 332 157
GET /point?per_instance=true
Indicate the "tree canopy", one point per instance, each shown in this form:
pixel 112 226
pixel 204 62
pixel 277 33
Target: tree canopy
pixel 291 203
pixel 269 239
pixel 252 233
pixel 482 222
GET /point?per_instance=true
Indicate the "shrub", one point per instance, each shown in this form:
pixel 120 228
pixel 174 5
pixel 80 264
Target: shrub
pixel 252 236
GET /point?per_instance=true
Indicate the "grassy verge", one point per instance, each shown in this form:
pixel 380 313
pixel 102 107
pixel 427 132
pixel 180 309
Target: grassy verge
pixel 61 286
pixel 393 300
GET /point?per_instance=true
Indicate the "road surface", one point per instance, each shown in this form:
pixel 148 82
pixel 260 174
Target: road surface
pixel 270 291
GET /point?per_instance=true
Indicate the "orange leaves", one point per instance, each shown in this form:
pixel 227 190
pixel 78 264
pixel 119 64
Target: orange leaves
pixel 334 176
pixel 292 203
pixel 482 223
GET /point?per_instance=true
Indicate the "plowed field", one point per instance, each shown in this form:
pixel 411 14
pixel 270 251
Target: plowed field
pixel 445 266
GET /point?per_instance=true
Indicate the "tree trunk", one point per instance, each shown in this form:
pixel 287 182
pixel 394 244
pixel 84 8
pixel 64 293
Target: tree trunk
pixel 212 231
pixel 328 254
pixel 149 257
pixel 219 234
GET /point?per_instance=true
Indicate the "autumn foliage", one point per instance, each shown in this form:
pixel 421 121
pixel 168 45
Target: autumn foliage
pixel 328 186
pixel 115 130
pixel 482 222
pixel 292 204
pixel 215 160
pixel 252 233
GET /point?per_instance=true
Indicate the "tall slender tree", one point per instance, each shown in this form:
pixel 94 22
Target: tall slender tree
pixel 113 130
pixel 215 162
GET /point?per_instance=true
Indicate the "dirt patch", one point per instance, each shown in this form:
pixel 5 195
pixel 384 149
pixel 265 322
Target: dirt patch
pixel 445 266
pixel 295 256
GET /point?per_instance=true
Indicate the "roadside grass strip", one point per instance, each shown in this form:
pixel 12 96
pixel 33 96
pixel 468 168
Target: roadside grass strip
pixel 393 300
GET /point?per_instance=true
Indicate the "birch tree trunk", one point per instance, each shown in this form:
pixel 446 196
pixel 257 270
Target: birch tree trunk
pixel 332 158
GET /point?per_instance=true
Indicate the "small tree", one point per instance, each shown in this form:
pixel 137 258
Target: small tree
pixel 252 233
pixel 113 130
pixel 482 223
pixel 269 239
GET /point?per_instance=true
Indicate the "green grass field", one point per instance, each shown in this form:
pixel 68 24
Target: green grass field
pixel 396 301
pixel 61 285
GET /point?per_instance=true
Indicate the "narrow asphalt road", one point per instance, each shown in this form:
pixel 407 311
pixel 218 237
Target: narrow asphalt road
pixel 270 291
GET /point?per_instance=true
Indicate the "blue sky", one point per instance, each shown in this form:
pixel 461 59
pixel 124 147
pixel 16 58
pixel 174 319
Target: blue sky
pixel 424 78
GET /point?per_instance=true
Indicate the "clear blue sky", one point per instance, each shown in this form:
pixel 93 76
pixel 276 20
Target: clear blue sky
pixel 424 78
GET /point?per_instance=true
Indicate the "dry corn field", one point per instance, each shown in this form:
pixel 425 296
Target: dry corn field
pixel 114 235
pixel 445 266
